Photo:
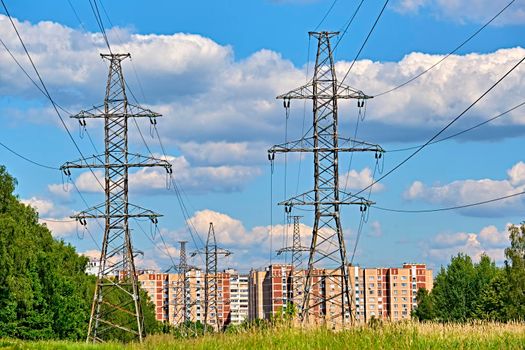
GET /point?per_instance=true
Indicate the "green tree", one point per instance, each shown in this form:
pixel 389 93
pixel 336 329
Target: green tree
pixel 515 272
pixel 44 290
pixel 425 306
pixel 453 291
pixel 493 300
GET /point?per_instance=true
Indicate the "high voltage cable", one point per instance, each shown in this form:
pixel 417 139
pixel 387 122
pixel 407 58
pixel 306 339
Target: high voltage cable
pixel 27 159
pixel 449 208
pixel 326 15
pixel 47 94
pixel 366 40
pixel 98 18
pixel 460 132
pixel 348 24
pixel 449 54
pixel 444 128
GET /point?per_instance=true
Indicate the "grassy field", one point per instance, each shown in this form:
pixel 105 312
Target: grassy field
pixel 390 336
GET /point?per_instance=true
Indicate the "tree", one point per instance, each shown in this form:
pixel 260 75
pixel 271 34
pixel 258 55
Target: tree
pixel 425 306
pixel 515 272
pixel 44 290
pixel 453 289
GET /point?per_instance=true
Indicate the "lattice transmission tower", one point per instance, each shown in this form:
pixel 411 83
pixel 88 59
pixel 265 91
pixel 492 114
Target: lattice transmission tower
pixel 296 273
pixel 211 297
pixel 182 312
pixel 116 309
pixel 327 290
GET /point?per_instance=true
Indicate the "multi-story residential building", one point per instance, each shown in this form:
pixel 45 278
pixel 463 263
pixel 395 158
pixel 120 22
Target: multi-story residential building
pixel 255 295
pixel 157 287
pixel 238 297
pixel 175 295
pixel 381 293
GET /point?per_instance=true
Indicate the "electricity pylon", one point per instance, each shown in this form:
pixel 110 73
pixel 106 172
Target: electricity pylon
pixel 211 278
pixel 327 291
pixel 116 301
pixel 182 302
pixel 295 293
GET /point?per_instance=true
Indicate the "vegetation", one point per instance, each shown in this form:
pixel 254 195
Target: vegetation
pixel 44 290
pixel 386 336
pixel 466 291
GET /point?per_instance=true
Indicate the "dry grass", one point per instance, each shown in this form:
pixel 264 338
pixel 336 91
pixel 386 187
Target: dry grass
pixel 388 336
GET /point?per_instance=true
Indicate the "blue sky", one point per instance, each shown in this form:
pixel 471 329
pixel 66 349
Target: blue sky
pixel 213 69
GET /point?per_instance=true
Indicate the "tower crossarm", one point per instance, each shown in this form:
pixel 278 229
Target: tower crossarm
pixel 292 249
pixel 134 211
pixel 307 144
pixel 306 92
pixel 220 251
pixel 134 161
pixel 308 198
pixel 133 111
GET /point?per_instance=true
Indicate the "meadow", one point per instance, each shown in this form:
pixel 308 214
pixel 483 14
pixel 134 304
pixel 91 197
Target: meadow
pixel 387 336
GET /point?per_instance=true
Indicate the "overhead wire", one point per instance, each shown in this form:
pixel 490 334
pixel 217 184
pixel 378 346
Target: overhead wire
pixel 460 132
pixel 364 42
pixel 448 54
pixel 419 149
pixel 461 206
pixel 326 15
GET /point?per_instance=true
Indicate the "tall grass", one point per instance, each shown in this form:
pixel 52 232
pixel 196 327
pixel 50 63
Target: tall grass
pixel 387 336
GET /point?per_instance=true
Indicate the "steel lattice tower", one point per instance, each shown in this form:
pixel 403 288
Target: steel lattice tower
pixel 327 262
pixel 182 307
pixel 296 273
pixel 116 303
pixel 211 297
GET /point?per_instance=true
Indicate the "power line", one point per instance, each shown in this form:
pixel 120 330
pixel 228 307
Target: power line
pixel 98 18
pixel 444 128
pixel 366 40
pixel 449 208
pixel 47 94
pixel 27 159
pixel 449 54
pixel 326 15
pixel 348 24
pixel 460 132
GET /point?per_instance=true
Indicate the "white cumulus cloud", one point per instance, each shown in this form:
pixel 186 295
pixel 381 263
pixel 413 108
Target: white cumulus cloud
pixel 462 192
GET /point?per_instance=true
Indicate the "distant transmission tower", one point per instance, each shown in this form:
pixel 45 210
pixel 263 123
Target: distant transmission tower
pixel 327 292
pixel 296 273
pixel 116 302
pixel 211 278
pixel 182 304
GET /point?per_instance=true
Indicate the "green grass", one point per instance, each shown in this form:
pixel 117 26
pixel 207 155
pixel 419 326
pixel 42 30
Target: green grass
pixel 389 336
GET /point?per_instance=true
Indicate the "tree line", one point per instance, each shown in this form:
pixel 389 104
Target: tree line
pixel 465 291
pixel 44 290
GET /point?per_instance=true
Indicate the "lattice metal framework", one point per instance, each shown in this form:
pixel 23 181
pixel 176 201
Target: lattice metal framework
pixel 116 309
pixel 296 273
pixel 182 304
pixel 327 294
pixel 211 279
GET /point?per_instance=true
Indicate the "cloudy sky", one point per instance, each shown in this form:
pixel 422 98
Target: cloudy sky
pixel 213 69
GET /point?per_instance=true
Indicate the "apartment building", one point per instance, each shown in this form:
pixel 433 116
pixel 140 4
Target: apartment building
pixel 381 293
pixel 175 296
pixel 157 287
pixel 238 297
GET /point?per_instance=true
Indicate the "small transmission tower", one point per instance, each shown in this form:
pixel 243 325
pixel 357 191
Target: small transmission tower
pixel 182 307
pixel 296 273
pixel 327 291
pixel 211 279
pixel 116 302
